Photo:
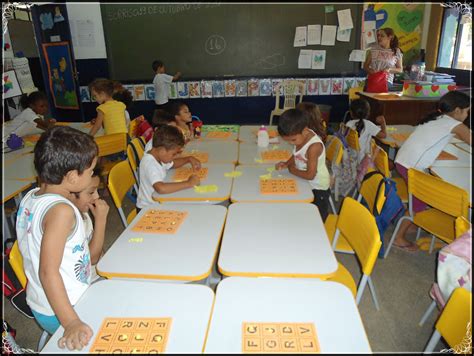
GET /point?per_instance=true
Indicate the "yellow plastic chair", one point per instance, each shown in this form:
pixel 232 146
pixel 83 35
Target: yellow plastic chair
pixel 454 324
pixel 358 225
pixel 446 203
pixel 374 197
pixel 120 181
pixel 135 153
pixel 132 128
pixel 142 142
pixel 352 93
pixel 108 145
pixel 16 262
pixel 334 151
pixel 352 139
pixel 293 91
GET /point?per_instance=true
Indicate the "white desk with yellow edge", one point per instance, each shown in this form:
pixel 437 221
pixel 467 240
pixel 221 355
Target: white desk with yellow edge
pixel 250 153
pixel 215 178
pixel 246 187
pixel 219 151
pixel 463 158
pixel 188 306
pixel 275 240
pixel 328 306
pixel 185 256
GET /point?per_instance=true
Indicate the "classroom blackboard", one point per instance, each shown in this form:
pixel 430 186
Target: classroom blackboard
pixel 218 40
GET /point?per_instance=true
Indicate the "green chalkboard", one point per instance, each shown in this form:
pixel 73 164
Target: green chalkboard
pixel 218 40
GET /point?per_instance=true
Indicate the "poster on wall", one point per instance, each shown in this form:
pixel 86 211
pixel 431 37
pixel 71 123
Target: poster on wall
pixel 11 88
pixel 60 74
pixel 406 20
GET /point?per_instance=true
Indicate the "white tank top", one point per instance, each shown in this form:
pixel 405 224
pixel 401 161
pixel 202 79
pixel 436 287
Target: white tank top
pixel 75 268
pixel 321 179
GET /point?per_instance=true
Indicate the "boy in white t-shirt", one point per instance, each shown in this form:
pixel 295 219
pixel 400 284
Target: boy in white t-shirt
pixel 168 143
pixel 360 111
pixel 162 83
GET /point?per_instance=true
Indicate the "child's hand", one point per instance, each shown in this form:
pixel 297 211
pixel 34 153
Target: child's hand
pixel 195 163
pixel 193 180
pixel 99 209
pixel 281 165
pixel 76 335
pixel 380 120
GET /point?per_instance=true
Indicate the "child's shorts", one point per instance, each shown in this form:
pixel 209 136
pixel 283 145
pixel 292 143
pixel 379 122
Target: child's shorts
pixel 47 322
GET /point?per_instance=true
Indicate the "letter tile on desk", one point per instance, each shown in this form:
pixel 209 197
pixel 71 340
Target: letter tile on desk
pixel 202 157
pixel 160 221
pixel 276 155
pixel 279 337
pixel 218 134
pixel 183 173
pixel 132 335
pixel 278 186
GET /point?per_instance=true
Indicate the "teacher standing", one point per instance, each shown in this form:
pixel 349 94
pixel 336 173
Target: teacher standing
pixel 385 55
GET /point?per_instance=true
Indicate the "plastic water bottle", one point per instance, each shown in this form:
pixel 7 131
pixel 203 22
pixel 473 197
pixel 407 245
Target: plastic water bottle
pixel 263 140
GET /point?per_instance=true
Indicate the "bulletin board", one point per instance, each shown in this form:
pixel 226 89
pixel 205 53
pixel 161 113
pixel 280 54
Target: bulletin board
pixel 406 20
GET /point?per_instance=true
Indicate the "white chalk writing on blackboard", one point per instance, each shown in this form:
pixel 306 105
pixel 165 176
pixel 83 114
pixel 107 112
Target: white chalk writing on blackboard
pixel 215 45
pixel 127 13
pixel 271 62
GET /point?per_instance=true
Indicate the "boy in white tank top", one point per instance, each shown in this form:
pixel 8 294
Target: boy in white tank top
pixel 51 236
pixel 309 156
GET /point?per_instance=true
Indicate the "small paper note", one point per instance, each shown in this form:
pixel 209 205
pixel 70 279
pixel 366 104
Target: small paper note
pixel 258 160
pixel 345 19
pixel 136 239
pixel 314 34
pixel 319 59
pixel 300 36
pixel 329 35
pixel 343 35
pixel 304 59
pixel 212 188
pixel 328 9
pixel 357 55
pixel 233 174
pixel 266 176
pixel 369 25
pixel 369 36
pixel 379 16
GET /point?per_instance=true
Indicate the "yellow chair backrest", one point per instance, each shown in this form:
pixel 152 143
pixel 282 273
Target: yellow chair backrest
pixel 132 155
pixel 352 139
pixel 454 323
pixel 461 225
pixel 380 157
pixel 16 262
pixel 142 141
pixel 110 144
pixel 132 128
pixel 352 93
pixel 359 228
pixel 293 91
pixel 368 190
pixel 438 193
pixel 334 150
pixel 120 181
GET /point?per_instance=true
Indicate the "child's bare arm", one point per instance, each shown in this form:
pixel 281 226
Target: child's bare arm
pixel 380 120
pixel 99 209
pixel 463 133
pixel 97 123
pixel 181 161
pixel 312 154
pixel 283 165
pixel 177 76
pixel 171 187
pixel 57 226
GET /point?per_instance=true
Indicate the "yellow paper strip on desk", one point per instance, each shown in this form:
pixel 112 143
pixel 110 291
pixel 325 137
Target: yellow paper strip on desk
pixel 275 147
pixel 211 188
pixel 270 169
pixel 266 176
pixel 233 174
pixel 136 239
pixel 258 160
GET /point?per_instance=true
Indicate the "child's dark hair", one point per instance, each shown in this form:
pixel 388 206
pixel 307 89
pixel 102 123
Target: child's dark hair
pixel 360 110
pixel 161 117
pixel 62 149
pixel 102 85
pixel 168 136
pixel 27 100
pixel 156 64
pixel 315 118
pixel 292 122
pixel 96 172
pixel 175 107
pixel 448 103
pixel 122 94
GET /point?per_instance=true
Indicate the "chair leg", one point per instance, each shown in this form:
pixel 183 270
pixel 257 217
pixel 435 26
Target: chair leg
pixel 433 342
pixel 336 190
pixel 432 243
pixel 372 292
pixel 331 203
pixel 361 287
pixel 42 341
pixel 427 313
pixel 418 233
pixel 394 234
pixel 271 120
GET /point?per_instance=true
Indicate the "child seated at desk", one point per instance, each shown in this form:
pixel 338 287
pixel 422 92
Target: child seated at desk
pixel 89 200
pixel 316 122
pixel 51 234
pixel 183 118
pixel 110 112
pixel 35 107
pixel 160 117
pixel 168 143
pixel 309 156
pixel 424 145
pixel 360 111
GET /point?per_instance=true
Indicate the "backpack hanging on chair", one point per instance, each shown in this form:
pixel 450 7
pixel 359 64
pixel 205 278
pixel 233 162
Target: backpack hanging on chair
pixel 346 172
